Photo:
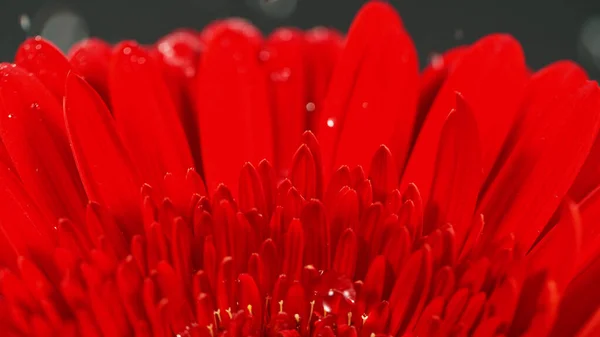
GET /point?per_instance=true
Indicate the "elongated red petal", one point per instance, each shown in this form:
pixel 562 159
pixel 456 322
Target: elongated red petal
pixel 233 106
pixel 37 146
pixel 579 303
pixel 322 49
pixel 492 70
pixel 23 229
pixel 363 108
pixel 458 174
pixel 282 58
pixel 293 250
pixel 178 55
pixel 346 254
pixel 592 327
pixel 106 170
pixel 559 251
pixel 543 165
pixel 46 62
pixel 145 114
pixel 304 173
pixel 409 293
pixel 383 174
pixel 90 58
pixel 431 81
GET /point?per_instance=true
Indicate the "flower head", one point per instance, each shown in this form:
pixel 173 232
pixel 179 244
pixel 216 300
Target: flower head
pixel 174 190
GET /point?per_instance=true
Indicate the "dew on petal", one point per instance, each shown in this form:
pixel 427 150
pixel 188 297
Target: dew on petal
pixel 330 122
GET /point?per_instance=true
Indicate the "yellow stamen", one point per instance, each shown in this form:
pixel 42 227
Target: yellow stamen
pixel 218 315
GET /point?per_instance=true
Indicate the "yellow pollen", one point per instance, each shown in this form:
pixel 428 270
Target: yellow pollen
pixel 228 311
pixel 312 308
pixel 281 306
pixel 297 317
pixel 364 317
pixel 218 314
pixel 250 309
pixel 210 330
pixel 349 318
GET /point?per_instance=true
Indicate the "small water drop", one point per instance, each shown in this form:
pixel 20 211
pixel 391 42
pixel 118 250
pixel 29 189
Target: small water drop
pixel 127 50
pixel 285 34
pixel 310 106
pixel 189 72
pixel 282 75
pixel 437 61
pixel 35 106
pixel 264 55
pixel 38 46
pixel 365 105
pixel 141 60
pixel 330 122
pixel 10 115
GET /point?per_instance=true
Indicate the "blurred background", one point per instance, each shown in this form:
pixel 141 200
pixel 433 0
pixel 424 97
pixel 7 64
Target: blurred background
pixel 548 29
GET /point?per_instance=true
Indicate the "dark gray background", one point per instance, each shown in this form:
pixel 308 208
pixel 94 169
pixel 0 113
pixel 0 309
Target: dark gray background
pixel 548 29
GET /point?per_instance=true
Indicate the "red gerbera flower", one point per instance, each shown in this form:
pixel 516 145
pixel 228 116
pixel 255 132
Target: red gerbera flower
pixel 123 210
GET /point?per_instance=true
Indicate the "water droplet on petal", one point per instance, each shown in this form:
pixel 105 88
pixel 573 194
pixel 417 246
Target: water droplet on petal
pixel 264 55
pixel 310 106
pixel 330 122
pixel 437 61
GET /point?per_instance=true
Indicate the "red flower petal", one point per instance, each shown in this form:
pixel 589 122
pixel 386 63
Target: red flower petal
pixel 293 250
pixel 558 252
pixel 23 229
pixel 579 303
pixel 145 115
pixel 90 58
pixel 303 174
pixel 362 109
pixel 38 147
pixel 310 140
pixel 457 177
pixel 178 55
pixel 346 254
pixel 106 170
pixel 46 62
pixel 322 50
pixel 490 76
pixel 383 174
pixel 233 106
pixel 544 163
pixel 592 327
pixel 282 58
pixel 431 81
pixel 410 291
pixel 316 227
